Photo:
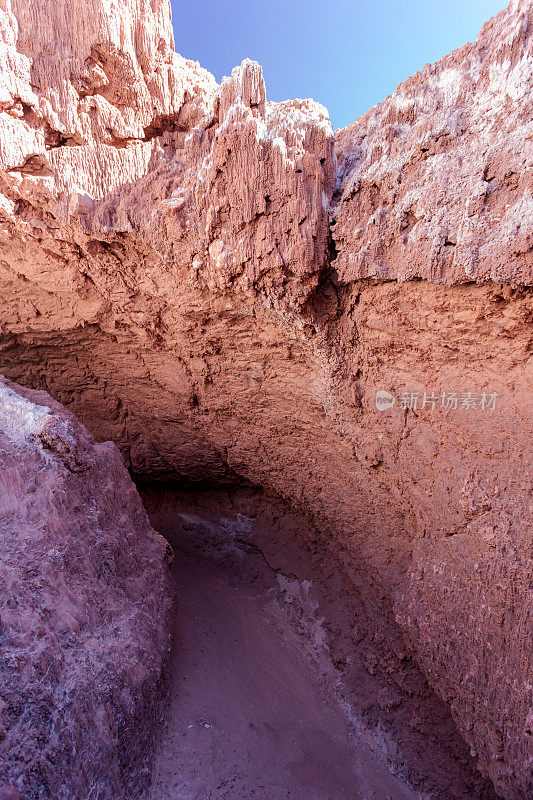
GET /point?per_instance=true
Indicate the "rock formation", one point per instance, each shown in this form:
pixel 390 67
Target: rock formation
pixel 84 608
pixel 435 182
pixel 220 285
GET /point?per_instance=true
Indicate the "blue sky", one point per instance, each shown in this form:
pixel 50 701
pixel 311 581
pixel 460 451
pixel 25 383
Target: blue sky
pixel 348 55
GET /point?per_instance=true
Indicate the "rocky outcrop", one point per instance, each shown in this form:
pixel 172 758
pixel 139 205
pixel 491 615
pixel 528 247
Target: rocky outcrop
pixel 435 182
pixel 84 607
pixel 111 82
pixel 169 272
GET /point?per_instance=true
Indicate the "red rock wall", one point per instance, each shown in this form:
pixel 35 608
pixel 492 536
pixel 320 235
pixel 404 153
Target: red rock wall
pixel 435 182
pixel 85 599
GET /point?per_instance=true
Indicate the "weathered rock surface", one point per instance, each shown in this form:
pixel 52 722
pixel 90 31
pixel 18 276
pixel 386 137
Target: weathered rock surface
pixel 168 271
pixel 84 606
pixel 435 182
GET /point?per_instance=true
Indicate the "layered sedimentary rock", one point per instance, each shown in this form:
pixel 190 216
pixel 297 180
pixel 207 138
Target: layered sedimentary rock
pixel 202 278
pixel 436 183
pixel 85 601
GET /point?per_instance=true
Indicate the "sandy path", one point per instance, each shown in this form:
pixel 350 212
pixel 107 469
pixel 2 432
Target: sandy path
pixel 249 715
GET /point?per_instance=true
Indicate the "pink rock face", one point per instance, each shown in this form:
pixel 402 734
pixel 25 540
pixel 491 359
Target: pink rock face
pixel 85 601
pixel 435 182
pixel 112 81
pixel 240 201
pixel 168 271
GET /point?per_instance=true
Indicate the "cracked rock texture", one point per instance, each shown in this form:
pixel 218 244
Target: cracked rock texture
pixel 435 182
pixel 84 605
pixel 220 285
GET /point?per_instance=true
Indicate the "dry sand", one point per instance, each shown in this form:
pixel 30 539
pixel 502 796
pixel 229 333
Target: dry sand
pixel 251 712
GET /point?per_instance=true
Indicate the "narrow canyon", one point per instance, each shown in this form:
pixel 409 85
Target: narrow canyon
pixel 265 423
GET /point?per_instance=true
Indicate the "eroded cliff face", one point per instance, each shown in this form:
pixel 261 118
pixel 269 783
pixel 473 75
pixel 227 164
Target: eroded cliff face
pixel 85 605
pixel 435 182
pixel 205 281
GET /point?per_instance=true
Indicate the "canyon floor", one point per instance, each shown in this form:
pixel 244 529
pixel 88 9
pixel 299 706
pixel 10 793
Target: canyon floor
pixel 252 711
pixel 248 715
pixel 256 706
